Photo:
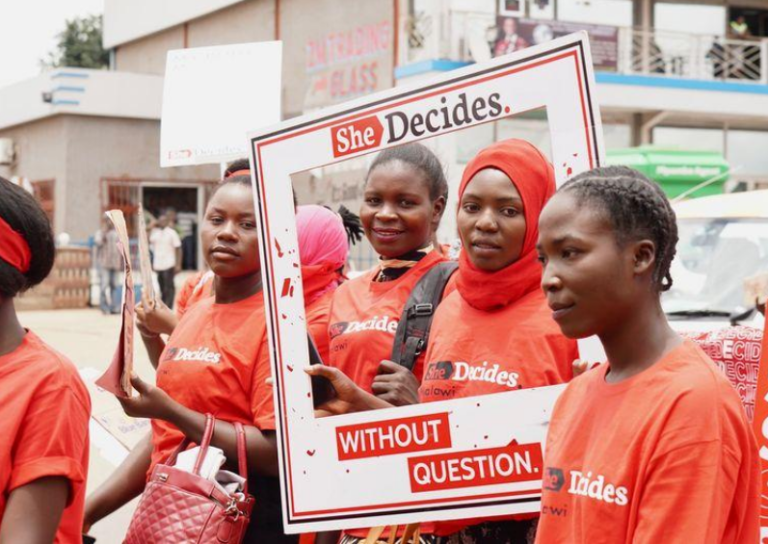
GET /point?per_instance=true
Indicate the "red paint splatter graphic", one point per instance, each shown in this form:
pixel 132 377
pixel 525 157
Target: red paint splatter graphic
pixel 310 452
pixel 287 288
pixel 507 109
pixel 289 367
pixel 575 154
pixel 284 316
pixel 567 172
pixel 279 249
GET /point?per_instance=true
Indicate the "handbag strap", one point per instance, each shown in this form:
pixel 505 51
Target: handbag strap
pixel 208 431
pixel 210 424
pixel 242 456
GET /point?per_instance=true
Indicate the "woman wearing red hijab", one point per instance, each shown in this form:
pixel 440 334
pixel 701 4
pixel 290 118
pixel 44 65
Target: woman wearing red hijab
pixel 498 317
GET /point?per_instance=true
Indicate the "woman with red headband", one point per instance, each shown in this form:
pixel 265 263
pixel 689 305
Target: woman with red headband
pixel 44 406
pixel 498 317
pixel 225 375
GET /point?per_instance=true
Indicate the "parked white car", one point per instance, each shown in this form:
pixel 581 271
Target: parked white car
pixel 723 241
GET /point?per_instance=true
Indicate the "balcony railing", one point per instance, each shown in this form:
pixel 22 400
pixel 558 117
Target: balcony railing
pixel 692 56
pixel 461 34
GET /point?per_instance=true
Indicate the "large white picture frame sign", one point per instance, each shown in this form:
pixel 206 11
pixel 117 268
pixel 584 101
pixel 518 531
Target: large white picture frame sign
pixel 445 460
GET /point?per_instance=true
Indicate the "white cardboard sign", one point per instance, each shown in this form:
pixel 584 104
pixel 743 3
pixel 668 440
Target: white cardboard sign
pixel 437 461
pixel 212 97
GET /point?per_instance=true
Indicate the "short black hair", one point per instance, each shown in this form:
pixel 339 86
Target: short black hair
pixel 421 158
pixel 238 164
pixel 23 214
pixel 637 209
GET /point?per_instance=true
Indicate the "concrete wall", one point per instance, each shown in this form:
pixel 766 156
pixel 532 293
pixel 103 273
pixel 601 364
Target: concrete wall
pixel 41 154
pixel 128 20
pixel 80 151
pixel 113 148
pixel 305 26
pixel 147 55
pixel 251 21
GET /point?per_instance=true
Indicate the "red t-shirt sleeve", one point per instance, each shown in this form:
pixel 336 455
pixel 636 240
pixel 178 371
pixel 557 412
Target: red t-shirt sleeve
pixel 262 405
pixel 52 439
pixel 182 299
pixel 692 465
pixel 677 505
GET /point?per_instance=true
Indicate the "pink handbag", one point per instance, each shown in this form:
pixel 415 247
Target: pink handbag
pixel 178 507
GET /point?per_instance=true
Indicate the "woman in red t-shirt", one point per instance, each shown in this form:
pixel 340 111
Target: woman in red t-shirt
pixel 44 405
pixel 403 201
pixel 653 446
pixel 498 317
pixel 216 361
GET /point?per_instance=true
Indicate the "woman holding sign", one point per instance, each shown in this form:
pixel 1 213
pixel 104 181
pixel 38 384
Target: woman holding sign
pixel 655 445
pixel 494 333
pixel 404 200
pixel 216 361
pixel 44 406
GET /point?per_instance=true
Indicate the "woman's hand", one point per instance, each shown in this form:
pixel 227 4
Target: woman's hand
pixel 349 397
pixel 155 319
pixel 151 403
pixel 396 384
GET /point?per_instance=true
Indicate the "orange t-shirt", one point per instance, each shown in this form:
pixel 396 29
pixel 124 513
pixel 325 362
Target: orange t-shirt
pixel 364 318
pixel 216 361
pixel 44 412
pixel 318 312
pixel 197 287
pixel 664 456
pixel 472 353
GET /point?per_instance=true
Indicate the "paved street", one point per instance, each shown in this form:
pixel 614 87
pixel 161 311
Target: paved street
pixel 88 338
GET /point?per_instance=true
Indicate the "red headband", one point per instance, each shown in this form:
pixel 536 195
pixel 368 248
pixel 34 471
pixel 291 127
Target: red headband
pixel 243 172
pixel 14 248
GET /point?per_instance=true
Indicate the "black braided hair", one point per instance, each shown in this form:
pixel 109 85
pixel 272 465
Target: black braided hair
pixel 352 225
pixel 23 214
pixel 637 209
pixel 421 158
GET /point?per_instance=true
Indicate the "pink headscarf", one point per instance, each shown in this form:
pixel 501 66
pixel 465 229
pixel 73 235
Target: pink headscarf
pixel 323 249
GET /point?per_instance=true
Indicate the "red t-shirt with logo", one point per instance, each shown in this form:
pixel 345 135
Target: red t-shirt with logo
pixel 364 317
pixel 664 456
pixel 197 287
pixel 44 412
pixel 473 352
pixel 318 313
pixel 216 361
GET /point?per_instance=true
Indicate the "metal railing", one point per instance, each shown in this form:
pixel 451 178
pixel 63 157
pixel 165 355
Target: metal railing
pixel 653 52
pixel 692 56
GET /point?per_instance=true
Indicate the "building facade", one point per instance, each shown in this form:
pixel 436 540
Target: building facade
pixel 669 73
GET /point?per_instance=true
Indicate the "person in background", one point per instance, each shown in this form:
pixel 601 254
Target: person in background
pixel 44 405
pixel 109 264
pixel 653 446
pixel 166 249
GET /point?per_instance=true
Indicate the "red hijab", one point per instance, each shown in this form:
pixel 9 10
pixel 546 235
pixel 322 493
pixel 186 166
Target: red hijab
pixel 534 179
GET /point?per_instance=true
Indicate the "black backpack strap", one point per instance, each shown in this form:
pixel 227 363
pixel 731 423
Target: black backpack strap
pixel 412 333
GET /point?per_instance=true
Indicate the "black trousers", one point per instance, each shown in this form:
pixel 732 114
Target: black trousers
pixel 167 287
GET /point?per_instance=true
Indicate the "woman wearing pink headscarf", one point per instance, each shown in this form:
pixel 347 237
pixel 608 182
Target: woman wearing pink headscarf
pixel 323 251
